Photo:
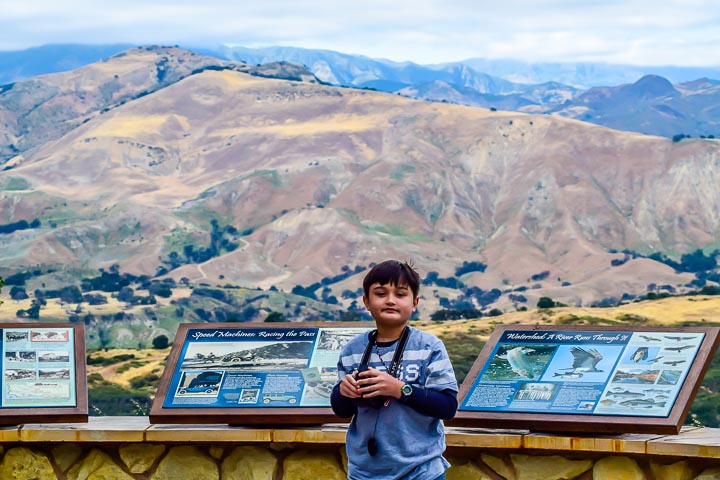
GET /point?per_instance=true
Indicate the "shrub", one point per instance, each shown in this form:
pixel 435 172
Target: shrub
pixel 16 293
pixel 276 317
pixel 545 302
pixel 160 342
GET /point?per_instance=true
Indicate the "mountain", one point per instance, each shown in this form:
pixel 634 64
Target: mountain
pixel 584 75
pixel 557 88
pixel 363 72
pixel 510 85
pixel 43 108
pixel 651 105
pixel 223 177
pixel 31 62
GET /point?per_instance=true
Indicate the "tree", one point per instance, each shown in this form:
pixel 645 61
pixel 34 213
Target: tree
pixel 545 302
pixel 18 293
pixel 160 342
pixel 126 294
pixel 276 317
pixel 1 285
pixel 71 294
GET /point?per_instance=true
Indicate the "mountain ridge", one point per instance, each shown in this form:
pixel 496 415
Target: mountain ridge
pixel 314 178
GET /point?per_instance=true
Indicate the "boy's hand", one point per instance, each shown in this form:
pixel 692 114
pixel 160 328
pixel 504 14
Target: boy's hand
pixel 374 383
pixel 349 387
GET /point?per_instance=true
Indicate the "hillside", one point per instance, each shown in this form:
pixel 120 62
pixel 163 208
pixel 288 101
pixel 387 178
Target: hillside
pixel 41 109
pixel 134 374
pixel 226 178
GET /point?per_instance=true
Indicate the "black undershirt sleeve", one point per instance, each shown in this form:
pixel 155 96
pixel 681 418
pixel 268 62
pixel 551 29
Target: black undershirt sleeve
pixel 440 404
pixel 342 406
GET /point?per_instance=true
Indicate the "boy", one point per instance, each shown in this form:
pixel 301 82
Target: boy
pixel 400 392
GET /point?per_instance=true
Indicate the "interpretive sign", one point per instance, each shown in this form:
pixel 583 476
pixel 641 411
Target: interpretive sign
pixel 586 378
pixel 43 373
pixel 253 373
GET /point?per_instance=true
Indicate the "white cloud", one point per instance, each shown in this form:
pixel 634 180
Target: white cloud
pixel 426 31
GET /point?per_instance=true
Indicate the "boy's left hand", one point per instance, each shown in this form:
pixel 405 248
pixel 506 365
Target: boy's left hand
pixel 374 383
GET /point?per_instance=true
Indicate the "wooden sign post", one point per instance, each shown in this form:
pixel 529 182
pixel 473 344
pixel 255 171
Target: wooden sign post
pixel 586 378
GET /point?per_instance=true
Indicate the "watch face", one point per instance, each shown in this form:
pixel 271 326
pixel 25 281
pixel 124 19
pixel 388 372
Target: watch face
pixel 406 389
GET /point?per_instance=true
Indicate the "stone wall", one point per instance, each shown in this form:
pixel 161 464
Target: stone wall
pixel 128 448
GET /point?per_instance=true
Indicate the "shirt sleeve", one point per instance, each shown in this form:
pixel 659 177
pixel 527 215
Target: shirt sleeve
pixel 433 403
pixel 440 373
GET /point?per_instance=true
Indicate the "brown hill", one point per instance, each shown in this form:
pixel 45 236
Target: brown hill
pixel 43 108
pixel 316 178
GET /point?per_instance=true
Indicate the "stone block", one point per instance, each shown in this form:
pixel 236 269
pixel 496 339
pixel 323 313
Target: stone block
pixel 307 465
pixel 21 463
pixel 216 452
pixel 139 457
pixel 344 459
pixel 250 463
pixel 465 470
pixel 97 465
pixel 552 467
pixel 709 474
pixel 498 466
pixel 675 471
pixel 66 454
pixel 186 462
pixel 617 468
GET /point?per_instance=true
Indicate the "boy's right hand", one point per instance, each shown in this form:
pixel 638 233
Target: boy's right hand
pixel 349 387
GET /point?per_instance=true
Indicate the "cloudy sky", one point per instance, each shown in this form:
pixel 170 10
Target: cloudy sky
pixel 639 32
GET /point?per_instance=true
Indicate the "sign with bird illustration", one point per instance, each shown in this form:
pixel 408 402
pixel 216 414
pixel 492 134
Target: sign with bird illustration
pixel 586 378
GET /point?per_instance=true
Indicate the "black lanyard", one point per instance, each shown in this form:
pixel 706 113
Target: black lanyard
pixel 395 364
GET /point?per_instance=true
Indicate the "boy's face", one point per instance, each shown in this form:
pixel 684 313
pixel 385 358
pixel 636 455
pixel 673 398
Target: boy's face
pixel 390 304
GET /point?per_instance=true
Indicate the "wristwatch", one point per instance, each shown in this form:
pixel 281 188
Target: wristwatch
pixel 406 390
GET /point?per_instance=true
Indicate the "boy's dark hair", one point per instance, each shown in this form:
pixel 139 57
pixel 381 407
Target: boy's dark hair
pixel 393 272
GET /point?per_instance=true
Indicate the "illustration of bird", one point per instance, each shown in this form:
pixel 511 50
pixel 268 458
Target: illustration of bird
pixel 519 362
pixel 674 363
pixel 585 360
pixel 656 359
pixel 678 349
pixel 678 339
pixel 639 355
pixel 568 375
pixel 649 339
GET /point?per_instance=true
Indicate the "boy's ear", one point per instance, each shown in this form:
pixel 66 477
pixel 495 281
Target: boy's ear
pixel 415 302
pixel 365 301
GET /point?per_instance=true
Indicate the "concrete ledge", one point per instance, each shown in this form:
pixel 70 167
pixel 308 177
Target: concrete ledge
pixel 691 442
